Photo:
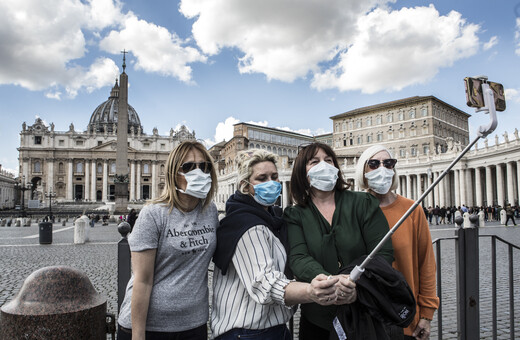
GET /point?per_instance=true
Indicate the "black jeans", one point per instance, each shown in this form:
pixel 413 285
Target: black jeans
pixel 280 332
pixel 309 331
pixel 199 333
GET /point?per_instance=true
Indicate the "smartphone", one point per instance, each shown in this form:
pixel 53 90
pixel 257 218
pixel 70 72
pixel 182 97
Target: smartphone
pixel 475 98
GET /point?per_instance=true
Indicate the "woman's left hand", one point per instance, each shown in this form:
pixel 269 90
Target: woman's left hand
pixel 345 290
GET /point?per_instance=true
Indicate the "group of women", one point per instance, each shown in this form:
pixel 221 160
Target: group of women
pixel 268 261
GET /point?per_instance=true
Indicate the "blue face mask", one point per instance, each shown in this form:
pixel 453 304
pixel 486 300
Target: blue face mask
pixel 266 193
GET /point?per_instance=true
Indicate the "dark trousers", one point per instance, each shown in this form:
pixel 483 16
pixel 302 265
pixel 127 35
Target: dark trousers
pixel 199 333
pixel 512 219
pixel 280 332
pixel 309 331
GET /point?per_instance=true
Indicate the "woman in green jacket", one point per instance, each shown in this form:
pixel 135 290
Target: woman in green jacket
pixel 329 227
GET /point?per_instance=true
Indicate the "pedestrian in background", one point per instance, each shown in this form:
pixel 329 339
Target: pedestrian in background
pixel 132 217
pixel 413 250
pixel 252 288
pixel 172 244
pixel 329 227
pixel 510 214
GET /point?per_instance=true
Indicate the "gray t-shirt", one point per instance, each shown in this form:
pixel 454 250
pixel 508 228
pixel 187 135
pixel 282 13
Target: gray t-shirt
pixel 185 243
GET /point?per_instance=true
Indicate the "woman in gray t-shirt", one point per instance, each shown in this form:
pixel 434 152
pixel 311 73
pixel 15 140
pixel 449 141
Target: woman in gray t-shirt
pixel 172 244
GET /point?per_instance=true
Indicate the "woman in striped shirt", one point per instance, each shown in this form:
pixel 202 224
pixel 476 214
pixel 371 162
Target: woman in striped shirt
pixel 252 293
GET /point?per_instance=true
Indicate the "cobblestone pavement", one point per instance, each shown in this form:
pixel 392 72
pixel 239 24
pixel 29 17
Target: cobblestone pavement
pixel 21 254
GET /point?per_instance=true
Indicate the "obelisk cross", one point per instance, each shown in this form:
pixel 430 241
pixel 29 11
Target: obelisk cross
pixel 124 59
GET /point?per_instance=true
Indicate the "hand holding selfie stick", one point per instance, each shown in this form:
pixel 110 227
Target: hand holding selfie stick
pixel 483 131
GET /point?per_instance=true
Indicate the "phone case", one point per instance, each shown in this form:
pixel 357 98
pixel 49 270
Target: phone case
pixel 474 96
pixel 498 93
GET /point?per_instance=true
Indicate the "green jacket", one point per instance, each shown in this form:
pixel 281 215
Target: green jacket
pixel 316 247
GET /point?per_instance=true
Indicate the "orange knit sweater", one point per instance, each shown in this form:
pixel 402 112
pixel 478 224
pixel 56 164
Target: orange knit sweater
pixel 414 257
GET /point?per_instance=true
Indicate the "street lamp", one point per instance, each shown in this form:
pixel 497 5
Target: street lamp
pixel 22 187
pixel 50 195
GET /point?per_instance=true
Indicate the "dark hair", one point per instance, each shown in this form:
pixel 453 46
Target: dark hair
pixel 300 187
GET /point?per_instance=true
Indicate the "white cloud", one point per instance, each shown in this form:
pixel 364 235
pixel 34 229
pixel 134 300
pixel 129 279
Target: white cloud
pixel 45 45
pixel 155 48
pixel 282 39
pixel 400 48
pixel 512 95
pixel 517 36
pixel 492 42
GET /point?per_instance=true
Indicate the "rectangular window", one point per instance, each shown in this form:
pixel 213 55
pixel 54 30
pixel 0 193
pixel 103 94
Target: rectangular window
pixel 99 142
pixel 79 143
pixel 38 140
pixel 61 142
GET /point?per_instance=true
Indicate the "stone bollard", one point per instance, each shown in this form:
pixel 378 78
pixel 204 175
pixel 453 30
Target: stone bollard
pixel 18 222
pixel 81 230
pixel 26 222
pixel 3 222
pixel 63 223
pixel 503 216
pixel 482 221
pixel 9 222
pixel 54 303
pixel 467 222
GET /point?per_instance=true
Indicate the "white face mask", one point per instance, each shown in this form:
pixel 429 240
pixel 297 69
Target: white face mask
pixel 323 176
pixel 380 180
pixel 199 183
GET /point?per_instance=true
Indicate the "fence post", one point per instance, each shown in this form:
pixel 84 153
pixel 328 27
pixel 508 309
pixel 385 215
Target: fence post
pixel 468 279
pixel 123 262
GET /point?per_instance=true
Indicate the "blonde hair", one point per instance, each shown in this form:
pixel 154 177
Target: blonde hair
pixel 360 167
pixel 246 160
pixel 170 196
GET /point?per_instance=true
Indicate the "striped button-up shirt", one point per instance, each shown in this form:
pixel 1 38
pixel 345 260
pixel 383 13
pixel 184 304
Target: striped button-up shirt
pixel 251 294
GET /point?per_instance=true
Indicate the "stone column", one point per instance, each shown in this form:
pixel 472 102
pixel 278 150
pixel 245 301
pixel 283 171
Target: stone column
pixel 93 181
pixel 442 193
pixel 489 186
pixel 462 187
pixel 104 195
pixel 285 194
pixel 70 185
pixel 409 186
pixel 478 188
pixel 469 189
pixel 25 169
pixel 50 175
pixel 419 189
pixel 510 183
pixel 518 181
pixel 132 180
pixel 500 186
pixel 457 202
pixel 154 179
pixel 436 193
pixel 430 194
pixel 138 181
pixel 87 180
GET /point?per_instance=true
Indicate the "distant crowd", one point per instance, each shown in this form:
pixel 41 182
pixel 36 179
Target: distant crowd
pixel 446 215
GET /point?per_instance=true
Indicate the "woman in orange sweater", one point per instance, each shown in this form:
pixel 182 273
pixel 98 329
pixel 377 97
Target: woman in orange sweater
pixel 413 250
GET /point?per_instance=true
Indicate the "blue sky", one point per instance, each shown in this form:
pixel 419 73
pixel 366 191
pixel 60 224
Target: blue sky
pixel 283 63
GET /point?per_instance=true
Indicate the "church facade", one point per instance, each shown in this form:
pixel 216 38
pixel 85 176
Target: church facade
pixel 81 165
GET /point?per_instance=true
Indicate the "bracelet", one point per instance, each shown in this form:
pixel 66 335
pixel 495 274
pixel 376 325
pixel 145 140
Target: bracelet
pixel 425 318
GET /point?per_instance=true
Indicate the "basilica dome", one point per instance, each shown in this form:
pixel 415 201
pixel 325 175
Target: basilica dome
pixel 104 117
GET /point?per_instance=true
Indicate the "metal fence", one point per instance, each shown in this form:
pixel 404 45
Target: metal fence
pixel 469 279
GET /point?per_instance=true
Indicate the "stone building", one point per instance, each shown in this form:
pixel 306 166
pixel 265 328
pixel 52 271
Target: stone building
pixel 7 189
pixel 80 165
pixel 408 127
pixel 425 135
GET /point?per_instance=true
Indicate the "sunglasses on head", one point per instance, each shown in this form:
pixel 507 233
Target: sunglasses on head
pixel 387 163
pixel 203 166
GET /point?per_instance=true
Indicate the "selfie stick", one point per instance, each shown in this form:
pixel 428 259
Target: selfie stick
pixel 483 131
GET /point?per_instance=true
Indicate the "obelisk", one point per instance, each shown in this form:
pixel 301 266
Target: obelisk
pixel 121 177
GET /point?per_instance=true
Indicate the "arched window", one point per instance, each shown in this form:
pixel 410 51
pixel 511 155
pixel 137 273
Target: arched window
pixel 37 166
pixel 146 168
pixel 99 168
pixel 79 167
pixel 113 168
pixel 61 168
pixel 162 169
